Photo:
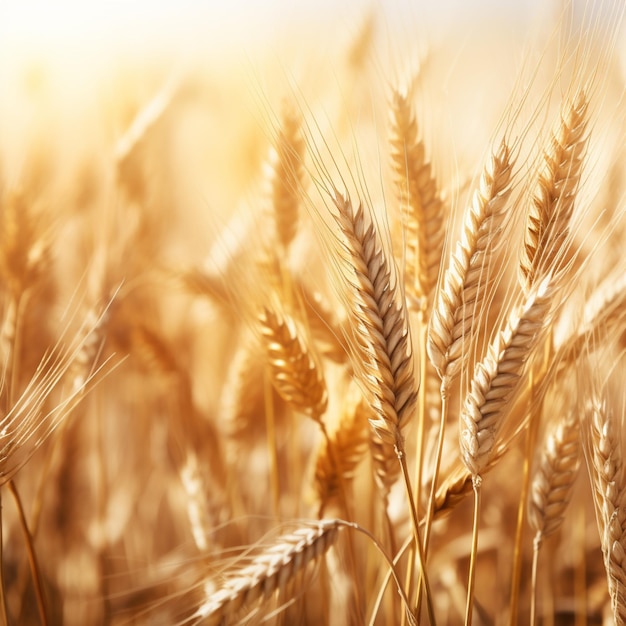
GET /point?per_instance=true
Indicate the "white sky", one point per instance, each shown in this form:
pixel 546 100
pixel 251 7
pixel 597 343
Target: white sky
pixel 90 22
pixel 89 33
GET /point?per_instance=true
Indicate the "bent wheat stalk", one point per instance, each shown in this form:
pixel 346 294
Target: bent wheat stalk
pixel 269 571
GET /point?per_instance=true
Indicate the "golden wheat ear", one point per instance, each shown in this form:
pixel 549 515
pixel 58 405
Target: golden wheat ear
pixel 383 359
pixel 466 280
pixel 553 480
pixel 552 204
pixel 423 210
pixel 296 372
pixel 287 176
pixel 268 573
pixel 608 478
pixel 496 377
pixel 338 457
pixel 30 420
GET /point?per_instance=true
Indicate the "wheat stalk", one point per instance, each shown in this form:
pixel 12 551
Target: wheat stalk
pixel 269 572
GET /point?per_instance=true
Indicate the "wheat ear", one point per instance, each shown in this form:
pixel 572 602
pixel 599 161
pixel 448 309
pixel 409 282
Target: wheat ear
pixel 143 123
pixel 496 377
pixel 287 176
pixel 551 488
pixel 552 203
pixel 464 284
pixel 381 340
pixel 603 310
pixel 553 480
pixel 339 456
pixel 25 250
pixel 609 489
pixel 422 206
pixel 465 280
pixel 268 572
pixel 296 373
pixel 381 332
pixel 201 282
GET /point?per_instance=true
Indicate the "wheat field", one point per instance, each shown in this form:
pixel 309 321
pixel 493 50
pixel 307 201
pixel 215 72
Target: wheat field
pixel 332 331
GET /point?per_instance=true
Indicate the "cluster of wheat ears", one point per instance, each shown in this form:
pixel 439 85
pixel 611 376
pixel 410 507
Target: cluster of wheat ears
pixel 389 389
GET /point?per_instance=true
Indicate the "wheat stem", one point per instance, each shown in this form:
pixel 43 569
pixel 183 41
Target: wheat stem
pixel 270 426
pixel 32 556
pixel 433 487
pixel 471 579
pixel 521 509
pixel 416 535
pixel 422 400
pixel 533 580
pixel 3 601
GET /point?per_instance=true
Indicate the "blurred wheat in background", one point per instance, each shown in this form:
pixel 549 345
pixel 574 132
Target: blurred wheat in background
pixel 312 315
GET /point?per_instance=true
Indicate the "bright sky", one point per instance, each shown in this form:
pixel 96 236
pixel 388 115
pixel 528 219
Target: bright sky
pixel 90 22
pixel 89 33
